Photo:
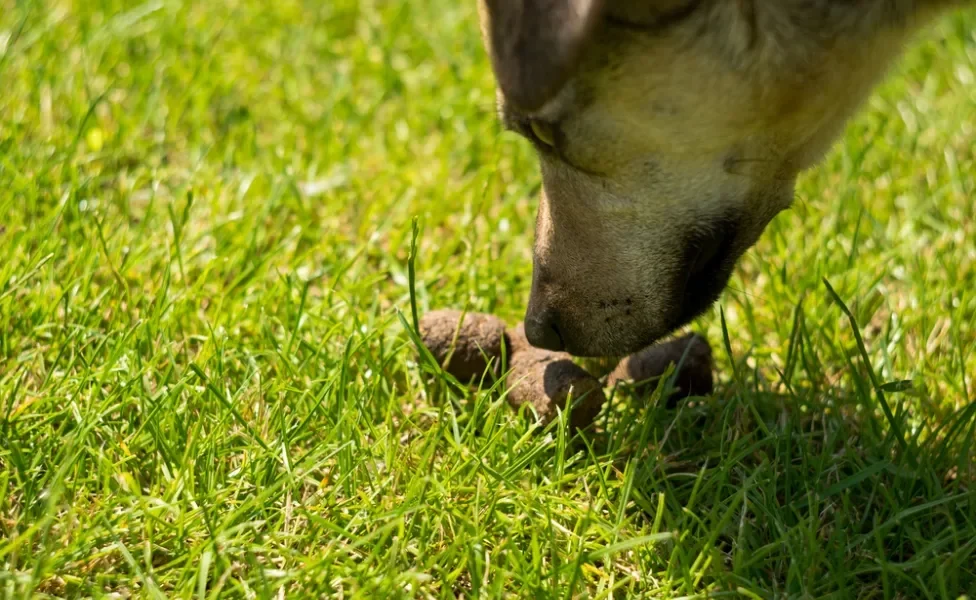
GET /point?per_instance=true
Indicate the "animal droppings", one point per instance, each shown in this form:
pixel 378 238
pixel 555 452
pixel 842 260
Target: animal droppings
pixel 643 368
pixel 546 380
pixel 463 352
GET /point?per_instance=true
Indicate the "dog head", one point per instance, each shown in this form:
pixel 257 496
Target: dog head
pixel 669 133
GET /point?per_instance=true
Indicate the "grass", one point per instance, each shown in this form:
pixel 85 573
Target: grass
pixel 207 389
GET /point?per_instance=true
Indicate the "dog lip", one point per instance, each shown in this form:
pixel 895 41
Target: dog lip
pixel 703 288
pixel 706 255
pixel 709 261
pixel 707 252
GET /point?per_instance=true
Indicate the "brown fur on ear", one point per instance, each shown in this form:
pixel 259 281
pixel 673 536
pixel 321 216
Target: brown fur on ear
pixel 535 44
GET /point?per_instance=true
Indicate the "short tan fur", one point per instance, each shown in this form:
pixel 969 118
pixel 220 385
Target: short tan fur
pixel 669 134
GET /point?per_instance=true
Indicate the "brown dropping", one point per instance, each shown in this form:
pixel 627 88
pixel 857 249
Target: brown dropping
pixel 547 379
pixel 465 352
pixel 693 379
pixel 516 341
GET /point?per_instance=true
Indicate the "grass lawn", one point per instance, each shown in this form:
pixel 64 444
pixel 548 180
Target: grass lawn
pixel 206 387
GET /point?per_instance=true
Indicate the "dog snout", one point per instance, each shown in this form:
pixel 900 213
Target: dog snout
pixel 542 328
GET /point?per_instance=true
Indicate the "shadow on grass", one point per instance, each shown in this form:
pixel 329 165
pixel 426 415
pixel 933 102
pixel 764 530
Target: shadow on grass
pixel 810 490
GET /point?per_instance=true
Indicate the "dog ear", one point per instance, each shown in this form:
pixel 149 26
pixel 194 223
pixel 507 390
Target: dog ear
pixel 535 44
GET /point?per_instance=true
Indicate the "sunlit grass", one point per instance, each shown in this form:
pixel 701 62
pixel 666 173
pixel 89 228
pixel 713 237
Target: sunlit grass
pixel 205 389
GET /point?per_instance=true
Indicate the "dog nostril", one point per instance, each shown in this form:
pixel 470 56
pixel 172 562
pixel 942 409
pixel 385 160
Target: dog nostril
pixel 542 331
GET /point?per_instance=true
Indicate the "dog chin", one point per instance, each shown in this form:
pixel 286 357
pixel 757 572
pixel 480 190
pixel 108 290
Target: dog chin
pixel 623 341
pixel 611 344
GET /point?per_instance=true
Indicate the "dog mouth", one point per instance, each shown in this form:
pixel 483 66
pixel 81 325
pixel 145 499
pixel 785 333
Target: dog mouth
pixel 710 259
pixel 708 252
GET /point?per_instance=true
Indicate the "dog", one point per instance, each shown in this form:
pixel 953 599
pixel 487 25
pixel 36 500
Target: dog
pixel 669 133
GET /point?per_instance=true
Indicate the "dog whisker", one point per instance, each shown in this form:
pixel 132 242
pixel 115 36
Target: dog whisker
pixel 742 292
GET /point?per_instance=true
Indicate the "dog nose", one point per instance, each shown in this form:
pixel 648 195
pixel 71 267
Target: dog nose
pixel 542 330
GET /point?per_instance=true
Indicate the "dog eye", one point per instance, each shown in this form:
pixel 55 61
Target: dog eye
pixel 543 132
